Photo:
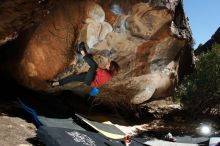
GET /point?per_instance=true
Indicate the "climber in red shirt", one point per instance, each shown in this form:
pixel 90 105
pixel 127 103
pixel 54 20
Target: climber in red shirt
pixel 95 77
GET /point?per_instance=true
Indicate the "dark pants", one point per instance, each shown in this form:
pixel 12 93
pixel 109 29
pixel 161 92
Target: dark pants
pixel 87 77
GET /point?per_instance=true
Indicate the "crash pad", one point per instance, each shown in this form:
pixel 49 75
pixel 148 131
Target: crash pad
pixel 214 141
pixel 107 128
pixel 167 143
pixel 54 136
pixel 31 111
pixel 61 123
pixel 41 120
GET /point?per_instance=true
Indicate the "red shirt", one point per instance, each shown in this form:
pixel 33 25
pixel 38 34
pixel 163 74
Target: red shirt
pixel 102 76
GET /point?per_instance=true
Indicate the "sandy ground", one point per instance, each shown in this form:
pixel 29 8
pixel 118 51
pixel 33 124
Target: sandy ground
pixel 14 130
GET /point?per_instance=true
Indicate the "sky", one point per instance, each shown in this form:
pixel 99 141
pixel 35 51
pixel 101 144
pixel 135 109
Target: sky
pixel 204 18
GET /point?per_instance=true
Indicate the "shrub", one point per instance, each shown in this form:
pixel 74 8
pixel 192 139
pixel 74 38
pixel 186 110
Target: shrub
pixel 199 92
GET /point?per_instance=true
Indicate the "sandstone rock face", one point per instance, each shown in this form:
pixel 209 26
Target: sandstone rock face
pixel 19 15
pixel 147 39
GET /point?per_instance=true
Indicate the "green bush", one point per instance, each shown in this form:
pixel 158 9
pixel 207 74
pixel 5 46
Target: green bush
pixel 200 91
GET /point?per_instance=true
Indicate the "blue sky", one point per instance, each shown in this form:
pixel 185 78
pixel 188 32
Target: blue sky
pixel 204 18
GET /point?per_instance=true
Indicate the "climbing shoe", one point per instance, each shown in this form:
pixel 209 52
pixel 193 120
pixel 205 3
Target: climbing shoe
pixel 54 83
pixel 81 47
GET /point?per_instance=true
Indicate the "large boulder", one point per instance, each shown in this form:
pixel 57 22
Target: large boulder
pixel 149 40
pixel 19 15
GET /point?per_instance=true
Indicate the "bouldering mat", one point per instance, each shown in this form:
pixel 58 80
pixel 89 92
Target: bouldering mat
pixel 61 123
pixel 214 141
pixel 167 143
pixel 53 136
pixel 106 128
pixel 50 121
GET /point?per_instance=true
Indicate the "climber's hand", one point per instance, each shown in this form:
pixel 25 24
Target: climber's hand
pixel 94 91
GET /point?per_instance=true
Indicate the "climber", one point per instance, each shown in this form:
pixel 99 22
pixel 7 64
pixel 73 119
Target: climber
pixel 95 77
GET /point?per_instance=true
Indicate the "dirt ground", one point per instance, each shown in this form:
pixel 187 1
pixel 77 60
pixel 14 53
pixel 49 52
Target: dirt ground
pixel 16 129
